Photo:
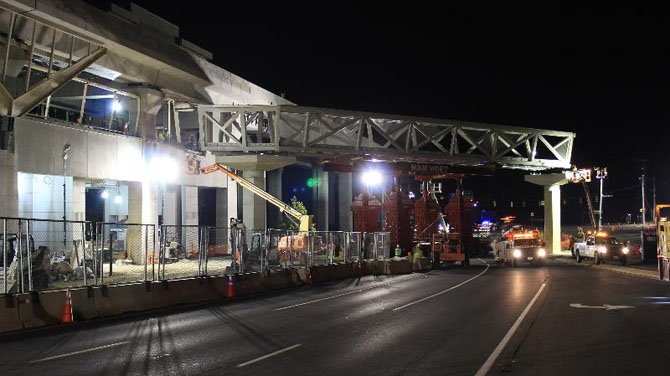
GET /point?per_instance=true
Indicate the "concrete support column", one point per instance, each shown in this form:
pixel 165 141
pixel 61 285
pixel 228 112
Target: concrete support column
pixel 222 219
pixel 189 205
pixel 142 208
pixel 322 198
pixel 150 102
pixel 232 198
pixel 254 207
pixel 552 217
pixel 552 207
pixel 9 194
pixel 274 185
pixel 345 198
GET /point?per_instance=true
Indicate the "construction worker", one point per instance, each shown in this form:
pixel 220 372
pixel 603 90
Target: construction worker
pixel 398 250
pixel 416 256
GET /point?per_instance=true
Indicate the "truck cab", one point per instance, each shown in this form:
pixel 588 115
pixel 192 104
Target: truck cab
pixel 524 247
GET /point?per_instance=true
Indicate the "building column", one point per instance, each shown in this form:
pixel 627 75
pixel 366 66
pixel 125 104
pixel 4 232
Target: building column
pixel 254 207
pixel 142 208
pixel 189 205
pixel 222 219
pixel 9 194
pixel 322 196
pixel 552 207
pixel 274 185
pixel 232 200
pixel 150 103
pixel 345 198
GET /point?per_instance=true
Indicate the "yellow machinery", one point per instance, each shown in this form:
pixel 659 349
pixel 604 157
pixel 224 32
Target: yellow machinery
pixel 663 243
pixel 304 221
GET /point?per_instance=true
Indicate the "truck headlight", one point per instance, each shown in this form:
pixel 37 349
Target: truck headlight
pixel 602 249
pixel 541 252
pixel 625 250
pixel 516 253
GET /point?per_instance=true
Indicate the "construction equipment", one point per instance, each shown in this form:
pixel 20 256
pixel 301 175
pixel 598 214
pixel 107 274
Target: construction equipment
pixel 583 176
pixel 454 245
pixel 303 221
pixel 663 242
pixel 292 243
pixel 520 246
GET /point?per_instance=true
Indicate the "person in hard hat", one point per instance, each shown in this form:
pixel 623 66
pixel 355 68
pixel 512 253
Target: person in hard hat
pixel 398 250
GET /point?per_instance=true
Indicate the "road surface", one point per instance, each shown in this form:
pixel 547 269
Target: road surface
pixel 561 319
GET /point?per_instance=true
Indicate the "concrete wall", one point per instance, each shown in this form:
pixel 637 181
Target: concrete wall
pixel 98 155
pixel 41 196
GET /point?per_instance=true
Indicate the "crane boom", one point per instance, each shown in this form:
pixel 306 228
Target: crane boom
pixel 587 194
pixel 304 220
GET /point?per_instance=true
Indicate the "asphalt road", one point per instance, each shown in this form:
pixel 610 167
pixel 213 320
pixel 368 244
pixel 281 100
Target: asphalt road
pixel 530 321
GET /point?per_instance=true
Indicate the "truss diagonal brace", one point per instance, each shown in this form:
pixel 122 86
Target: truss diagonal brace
pixel 31 98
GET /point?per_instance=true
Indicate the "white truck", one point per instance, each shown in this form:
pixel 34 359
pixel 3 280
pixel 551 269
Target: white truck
pixel 600 247
pixel 521 246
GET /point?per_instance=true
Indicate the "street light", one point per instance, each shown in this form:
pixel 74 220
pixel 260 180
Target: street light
pixel 372 178
pixel 66 155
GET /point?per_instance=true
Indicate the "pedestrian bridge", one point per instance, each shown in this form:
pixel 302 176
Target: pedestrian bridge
pixel 332 134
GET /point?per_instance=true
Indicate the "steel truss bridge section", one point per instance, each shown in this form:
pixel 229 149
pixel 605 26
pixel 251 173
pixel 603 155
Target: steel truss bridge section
pixel 332 134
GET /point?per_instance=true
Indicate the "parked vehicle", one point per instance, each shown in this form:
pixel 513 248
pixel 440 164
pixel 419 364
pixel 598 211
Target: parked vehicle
pixel 600 247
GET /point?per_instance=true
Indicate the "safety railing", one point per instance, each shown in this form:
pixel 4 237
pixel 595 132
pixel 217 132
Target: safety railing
pixel 38 255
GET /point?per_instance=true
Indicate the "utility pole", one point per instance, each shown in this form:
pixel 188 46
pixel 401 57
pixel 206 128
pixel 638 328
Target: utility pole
pixel 643 210
pixel 654 190
pixel 601 174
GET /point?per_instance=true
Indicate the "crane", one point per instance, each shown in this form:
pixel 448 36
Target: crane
pixel 303 221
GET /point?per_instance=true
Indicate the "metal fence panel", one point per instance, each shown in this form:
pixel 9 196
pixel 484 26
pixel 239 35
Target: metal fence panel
pixel 14 270
pixel 181 252
pixel 218 259
pixel 57 254
pixel 354 245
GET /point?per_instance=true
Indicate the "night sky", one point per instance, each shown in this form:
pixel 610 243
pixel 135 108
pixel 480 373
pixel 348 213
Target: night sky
pixel 601 72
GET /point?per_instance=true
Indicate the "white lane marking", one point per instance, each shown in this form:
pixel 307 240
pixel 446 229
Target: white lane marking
pixel 606 307
pixel 268 355
pixel 79 352
pixel 344 294
pixel 494 355
pixel 444 291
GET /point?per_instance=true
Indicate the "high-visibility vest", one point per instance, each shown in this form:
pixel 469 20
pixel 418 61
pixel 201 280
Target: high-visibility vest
pixel 417 253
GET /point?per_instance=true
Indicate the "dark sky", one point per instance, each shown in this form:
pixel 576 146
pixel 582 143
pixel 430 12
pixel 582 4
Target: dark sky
pixel 601 72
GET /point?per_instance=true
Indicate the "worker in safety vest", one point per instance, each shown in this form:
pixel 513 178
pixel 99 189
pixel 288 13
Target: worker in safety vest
pixel 416 256
pixel 398 250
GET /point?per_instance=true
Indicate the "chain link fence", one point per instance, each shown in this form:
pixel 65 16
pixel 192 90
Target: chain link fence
pixel 182 252
pixel 39 255
pixel 218 257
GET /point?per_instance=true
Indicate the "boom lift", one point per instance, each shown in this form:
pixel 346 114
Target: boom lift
pixel 303 221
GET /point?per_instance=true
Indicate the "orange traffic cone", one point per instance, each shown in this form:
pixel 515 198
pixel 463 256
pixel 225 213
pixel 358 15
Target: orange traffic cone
pixel 67 308
pixel 230 292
